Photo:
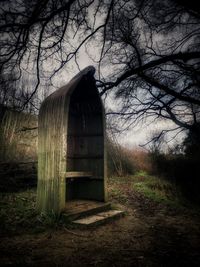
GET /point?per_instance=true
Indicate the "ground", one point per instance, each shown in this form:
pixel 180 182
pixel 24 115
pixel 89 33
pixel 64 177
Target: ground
pixel 155 231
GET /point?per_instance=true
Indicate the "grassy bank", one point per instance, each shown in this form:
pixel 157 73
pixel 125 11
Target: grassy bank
pixel 150 187
pixel 18 214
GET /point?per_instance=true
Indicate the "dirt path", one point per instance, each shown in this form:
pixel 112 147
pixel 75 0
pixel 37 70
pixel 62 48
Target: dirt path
pixel 151 234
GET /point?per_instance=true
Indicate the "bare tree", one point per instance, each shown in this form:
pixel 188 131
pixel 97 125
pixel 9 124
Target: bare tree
pixel 40 33
pixel 148 51
pixel 155 48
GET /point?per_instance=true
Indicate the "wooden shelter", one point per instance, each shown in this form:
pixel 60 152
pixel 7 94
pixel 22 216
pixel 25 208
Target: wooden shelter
pixel 71 145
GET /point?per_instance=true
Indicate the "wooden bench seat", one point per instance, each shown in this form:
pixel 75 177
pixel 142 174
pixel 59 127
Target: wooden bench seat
pixel 74 175
pixel 69 175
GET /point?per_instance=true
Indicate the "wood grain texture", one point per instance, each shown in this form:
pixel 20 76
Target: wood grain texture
pixel 71 138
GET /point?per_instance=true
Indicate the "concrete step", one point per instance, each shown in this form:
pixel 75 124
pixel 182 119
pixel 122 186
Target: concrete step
pixel 99 218
pixel 81 211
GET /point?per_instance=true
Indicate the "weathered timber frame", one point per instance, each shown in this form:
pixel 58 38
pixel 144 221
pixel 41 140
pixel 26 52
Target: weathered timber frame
pixel 71 145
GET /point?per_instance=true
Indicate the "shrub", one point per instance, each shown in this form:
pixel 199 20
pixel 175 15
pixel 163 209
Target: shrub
pixel 118 160
pixel 180 169
pixel 123 161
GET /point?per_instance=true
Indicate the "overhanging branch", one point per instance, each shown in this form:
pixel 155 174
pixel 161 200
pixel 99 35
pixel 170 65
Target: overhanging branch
pixel 153 63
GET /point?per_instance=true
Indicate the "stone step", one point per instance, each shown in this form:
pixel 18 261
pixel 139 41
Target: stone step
pixel 83 211
pixel 99 218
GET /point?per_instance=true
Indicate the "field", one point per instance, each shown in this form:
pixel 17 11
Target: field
pixel 159 229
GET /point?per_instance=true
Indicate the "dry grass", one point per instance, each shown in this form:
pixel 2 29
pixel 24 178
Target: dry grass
pixel 124 161
pixel 140 159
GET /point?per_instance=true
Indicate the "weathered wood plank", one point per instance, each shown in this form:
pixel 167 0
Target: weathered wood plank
pixel 77 174
pixel 85 157
pixel 71 138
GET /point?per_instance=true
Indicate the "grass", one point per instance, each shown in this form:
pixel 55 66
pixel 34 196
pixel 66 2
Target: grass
pixel 18 214
pixel 151 187
pixel 160 190
pixel 156 190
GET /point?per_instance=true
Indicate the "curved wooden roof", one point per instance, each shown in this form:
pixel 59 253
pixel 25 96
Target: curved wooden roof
pixel 68 88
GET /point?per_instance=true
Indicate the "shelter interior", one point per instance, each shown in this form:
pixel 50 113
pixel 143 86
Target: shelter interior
pixel 85 144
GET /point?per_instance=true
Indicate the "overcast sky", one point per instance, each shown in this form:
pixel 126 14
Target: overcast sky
pixel 135 136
